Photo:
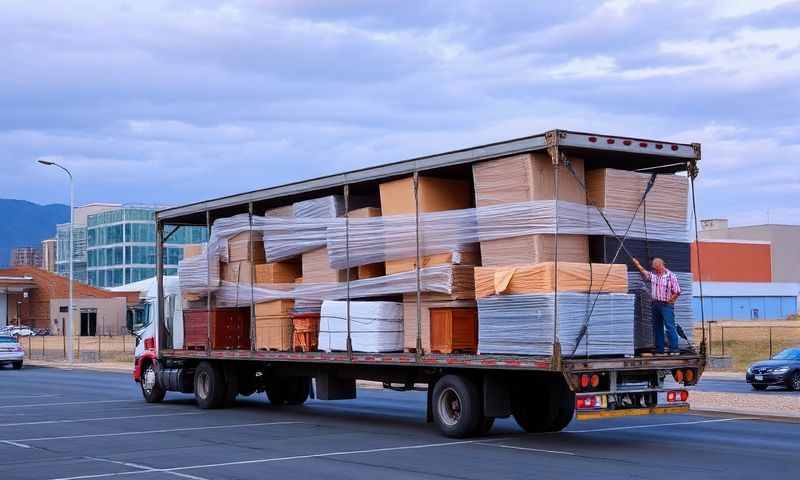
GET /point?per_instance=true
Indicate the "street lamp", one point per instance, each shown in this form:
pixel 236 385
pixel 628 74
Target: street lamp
pixel 68 332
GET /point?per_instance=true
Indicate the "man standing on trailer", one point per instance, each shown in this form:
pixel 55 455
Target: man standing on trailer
pixel 664 291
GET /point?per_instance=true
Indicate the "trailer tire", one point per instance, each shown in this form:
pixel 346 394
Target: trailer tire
pixel 565 409
pixel 289 391
pixel 457 409
pixel 209 386
pixel 152 391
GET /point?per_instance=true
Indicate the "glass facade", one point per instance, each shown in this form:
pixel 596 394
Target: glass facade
pixel 121 246
pixel 79 257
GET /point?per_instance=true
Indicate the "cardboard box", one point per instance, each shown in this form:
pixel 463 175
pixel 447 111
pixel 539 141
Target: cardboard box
pixel 623 190
pixel 239 247
pixel 274 333
pixel 467 258
pixel 435 195
pixel 366 212
pixel 454 330
pixel 316 268
pixel 237 272
pixel 274 308
pixel 371 270
pixel 527 249
pixel 410 318
pixel 541 278
pixel 278 272
pixel 524 178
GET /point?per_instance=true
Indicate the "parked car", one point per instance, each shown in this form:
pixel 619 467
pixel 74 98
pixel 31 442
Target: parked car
pixel 782 370
pixel 11 351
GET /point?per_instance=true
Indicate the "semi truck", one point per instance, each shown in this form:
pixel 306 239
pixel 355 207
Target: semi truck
pixel 465 392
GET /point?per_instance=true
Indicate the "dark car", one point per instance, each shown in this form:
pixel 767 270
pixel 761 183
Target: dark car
pixel 782 370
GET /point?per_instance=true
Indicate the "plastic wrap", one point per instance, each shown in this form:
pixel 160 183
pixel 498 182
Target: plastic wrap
pixel 542 277
pixel 675 254
pixel 439 279
pixel 643 317
pixel 331 206
pixel 374 326
pixel 523 324
pixel 379 239
pixel 623 190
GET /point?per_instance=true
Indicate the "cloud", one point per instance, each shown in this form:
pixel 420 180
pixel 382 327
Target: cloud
pixel 166 102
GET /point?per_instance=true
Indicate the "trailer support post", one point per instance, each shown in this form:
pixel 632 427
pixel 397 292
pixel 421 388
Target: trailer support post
pixel 160 328
pixel 347 260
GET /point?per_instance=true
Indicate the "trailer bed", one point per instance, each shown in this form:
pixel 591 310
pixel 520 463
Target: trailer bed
pixel 498 362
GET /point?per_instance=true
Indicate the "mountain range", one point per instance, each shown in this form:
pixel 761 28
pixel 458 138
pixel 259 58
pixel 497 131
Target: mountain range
pixel 26 224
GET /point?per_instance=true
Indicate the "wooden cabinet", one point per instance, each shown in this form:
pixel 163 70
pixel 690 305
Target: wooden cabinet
pixel 229 329
pixel 454 330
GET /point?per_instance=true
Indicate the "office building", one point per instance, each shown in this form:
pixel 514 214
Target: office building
pixel 26 257
pixel 49 254
pixel 120 246
pixel 81 215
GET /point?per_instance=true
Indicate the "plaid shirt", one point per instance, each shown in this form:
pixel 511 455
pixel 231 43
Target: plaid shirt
pixel 663 286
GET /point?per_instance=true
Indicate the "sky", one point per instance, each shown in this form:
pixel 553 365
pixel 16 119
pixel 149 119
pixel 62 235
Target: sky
pixel 170 102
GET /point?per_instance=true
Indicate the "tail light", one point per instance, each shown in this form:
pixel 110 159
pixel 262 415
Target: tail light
pixel 585 380
pixel 590 401
pixel 595 380
pixel 150 343
pixel 689 376
pixel 677 396
pixel 678 375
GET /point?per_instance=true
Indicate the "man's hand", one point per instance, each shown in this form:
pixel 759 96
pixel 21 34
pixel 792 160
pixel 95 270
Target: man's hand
pixel 639 266
pixel 673 299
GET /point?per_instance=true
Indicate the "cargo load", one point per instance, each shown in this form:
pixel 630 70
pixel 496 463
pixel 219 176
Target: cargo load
pixel 549 277
pixel 526 324
pixel 374 326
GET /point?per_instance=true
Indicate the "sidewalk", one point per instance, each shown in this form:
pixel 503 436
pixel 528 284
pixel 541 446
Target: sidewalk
pixel 768 405
pixel 124 367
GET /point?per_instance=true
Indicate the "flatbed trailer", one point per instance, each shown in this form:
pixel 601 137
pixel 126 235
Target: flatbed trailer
pixel 466 392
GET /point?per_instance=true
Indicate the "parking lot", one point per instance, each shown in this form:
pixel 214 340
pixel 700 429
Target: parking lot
pixel 59 424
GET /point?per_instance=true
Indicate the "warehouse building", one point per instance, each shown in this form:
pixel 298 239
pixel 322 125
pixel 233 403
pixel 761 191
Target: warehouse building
pixel 39 299
pixel 748 273
pixel 26 257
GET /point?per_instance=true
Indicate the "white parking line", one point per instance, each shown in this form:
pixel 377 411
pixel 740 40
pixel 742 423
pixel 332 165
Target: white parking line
pixel 20 445
pixel 5 397
pixel 654 425
pixel 145 468
pixel 527 449
pixel 31 405
pixel 146 432
pixel 276 459
pixel 96 419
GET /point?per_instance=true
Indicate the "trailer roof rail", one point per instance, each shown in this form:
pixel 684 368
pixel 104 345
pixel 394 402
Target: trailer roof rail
pixel 661 155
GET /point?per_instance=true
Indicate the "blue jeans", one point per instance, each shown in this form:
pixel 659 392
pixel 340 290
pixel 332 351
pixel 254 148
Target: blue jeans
pixel 664 318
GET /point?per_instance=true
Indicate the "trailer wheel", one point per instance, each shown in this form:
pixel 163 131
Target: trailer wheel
pixel 457 409
pixel 151 390
pixel 289 391
pixel 209 386
pixel 546 406
pixel 565 399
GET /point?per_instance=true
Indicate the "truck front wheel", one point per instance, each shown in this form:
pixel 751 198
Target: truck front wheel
pixel 456 405
pixel 209 386
pixel 152 391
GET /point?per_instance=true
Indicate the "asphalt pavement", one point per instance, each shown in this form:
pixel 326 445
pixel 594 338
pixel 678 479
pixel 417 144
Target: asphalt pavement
pixel 61 424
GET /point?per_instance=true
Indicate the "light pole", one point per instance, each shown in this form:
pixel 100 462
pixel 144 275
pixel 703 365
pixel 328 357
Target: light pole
pixel 69 329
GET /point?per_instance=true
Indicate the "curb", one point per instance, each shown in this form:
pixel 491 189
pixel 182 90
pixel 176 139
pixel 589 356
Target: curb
pixel 746 414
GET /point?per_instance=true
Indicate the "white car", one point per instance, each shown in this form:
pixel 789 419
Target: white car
pixel 11 352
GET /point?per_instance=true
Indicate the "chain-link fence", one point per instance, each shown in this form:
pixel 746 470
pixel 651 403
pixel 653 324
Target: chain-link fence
pixel 745 344
pixel 101 348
